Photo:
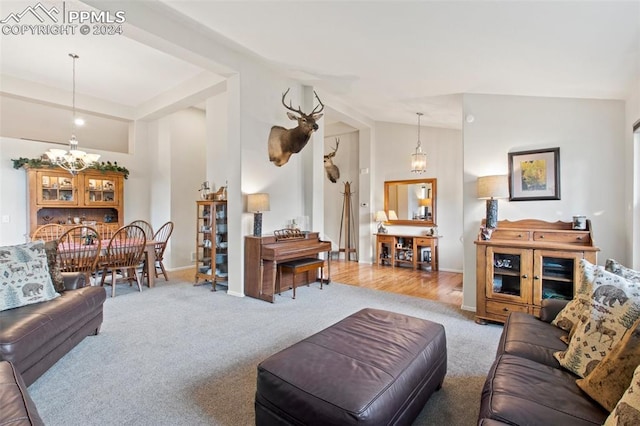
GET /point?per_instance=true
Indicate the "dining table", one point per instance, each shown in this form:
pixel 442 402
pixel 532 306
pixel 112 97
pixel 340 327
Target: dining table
pixel 149 255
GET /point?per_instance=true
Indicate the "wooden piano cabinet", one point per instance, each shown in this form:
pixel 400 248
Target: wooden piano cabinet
pixel 261 258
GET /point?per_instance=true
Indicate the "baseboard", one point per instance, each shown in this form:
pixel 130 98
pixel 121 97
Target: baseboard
pixel 234 293
pixel 180 268
pixel 468 308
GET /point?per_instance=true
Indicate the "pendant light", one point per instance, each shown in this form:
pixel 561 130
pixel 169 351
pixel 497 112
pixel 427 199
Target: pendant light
pixel 418 158
pixel 74 160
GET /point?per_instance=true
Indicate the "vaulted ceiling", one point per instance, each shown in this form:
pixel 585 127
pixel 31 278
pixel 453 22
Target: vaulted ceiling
pixel 386 59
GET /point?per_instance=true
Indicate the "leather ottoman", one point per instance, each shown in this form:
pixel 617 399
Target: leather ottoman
pixel 374 367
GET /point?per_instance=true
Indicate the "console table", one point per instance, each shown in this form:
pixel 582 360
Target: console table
pixel 409 250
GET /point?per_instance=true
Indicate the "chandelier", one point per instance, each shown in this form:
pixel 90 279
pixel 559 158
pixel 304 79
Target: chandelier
pixel 418 158
pixel 73 160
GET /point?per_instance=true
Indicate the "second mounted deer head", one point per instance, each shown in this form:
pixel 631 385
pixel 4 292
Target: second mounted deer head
pixel 285 142
pixel 333 173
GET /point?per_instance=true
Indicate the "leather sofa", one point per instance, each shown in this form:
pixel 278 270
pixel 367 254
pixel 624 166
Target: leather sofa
pixel 16 406
pixel 34 337
pixel 527 385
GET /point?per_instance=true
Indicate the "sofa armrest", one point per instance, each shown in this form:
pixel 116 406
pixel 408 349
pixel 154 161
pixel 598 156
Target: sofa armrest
pixel 73 280
pixel 550 308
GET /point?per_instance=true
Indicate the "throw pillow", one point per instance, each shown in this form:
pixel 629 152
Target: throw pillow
pixel 570 314
pixel 24 276
pixel 611 377
pixel 621 270
pixel 51 249
pixel 627 411
pixel 613 309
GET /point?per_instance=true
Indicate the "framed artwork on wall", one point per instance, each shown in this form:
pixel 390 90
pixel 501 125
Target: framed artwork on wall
pixel 534 175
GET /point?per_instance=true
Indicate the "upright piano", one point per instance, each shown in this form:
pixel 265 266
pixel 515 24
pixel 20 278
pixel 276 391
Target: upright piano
pixel 261 258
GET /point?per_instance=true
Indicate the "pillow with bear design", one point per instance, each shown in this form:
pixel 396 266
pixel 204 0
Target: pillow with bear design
pixel 612 310
pixel 24 276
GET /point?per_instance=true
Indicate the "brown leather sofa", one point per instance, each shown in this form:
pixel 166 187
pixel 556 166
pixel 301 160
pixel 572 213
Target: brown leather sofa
pixel 16 406
pixel 526 385
pixel 34 337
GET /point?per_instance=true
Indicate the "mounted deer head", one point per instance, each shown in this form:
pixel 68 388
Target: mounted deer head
pixel 333 173
pixel 285 142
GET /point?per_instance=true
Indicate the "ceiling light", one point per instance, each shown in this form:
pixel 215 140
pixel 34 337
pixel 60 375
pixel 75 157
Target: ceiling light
pixel 419 158
pixel 74 160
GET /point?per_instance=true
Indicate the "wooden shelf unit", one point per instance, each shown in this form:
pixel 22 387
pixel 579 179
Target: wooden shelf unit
pixel 416 251
pixel 57 196
pixel 211 243
pixel 525 262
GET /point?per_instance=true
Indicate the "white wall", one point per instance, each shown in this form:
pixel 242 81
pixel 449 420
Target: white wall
pixel 346 160
pixel 393 147
pixel 591 137
pixel 632 175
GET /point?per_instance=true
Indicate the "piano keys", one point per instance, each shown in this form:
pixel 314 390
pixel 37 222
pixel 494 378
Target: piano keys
pixel 261 258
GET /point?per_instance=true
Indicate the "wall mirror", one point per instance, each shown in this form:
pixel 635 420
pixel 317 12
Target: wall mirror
pixel 410 202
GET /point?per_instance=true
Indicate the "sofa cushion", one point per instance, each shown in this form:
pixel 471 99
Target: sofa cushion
pixel 627 410
pixel 613 309
pixel 611 377
pixel 528 337
pixel 51 249
pixel 570 314
pixel 520 391
pixel 618 268
pixel 24 276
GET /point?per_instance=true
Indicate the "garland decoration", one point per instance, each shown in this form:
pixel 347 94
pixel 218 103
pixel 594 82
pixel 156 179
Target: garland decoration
pixel 37 163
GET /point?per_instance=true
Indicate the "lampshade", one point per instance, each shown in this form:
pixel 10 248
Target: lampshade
pixel 495 186
pixel 424 202
pixel 393 215
pixel 258 202
pixel 380 216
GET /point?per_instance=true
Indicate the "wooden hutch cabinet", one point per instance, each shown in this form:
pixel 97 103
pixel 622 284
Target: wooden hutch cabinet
pixel 525 262
pixel 57 196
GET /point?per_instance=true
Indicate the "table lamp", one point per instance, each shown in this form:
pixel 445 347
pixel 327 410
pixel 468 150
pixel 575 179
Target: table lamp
pixel 491 188
pixel 257 203
pixel 381 217
pixel 425 202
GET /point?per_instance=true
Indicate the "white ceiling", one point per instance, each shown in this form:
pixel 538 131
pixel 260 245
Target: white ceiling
pixel 386 59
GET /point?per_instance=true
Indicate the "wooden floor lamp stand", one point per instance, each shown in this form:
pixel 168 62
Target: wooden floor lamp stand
pixel 347 224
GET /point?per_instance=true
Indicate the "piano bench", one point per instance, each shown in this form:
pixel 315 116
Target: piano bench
pixel 301 265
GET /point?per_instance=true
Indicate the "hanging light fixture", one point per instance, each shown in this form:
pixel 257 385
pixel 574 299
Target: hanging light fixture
pixel 73 160
pixel 419 158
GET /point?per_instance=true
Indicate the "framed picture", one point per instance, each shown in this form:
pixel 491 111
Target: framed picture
pixel 534 175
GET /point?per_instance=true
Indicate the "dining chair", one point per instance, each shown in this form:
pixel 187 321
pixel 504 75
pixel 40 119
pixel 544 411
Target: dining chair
pixel 148 233
pixel 123 253
pixel 79 250
pixel 161 237
pixel 48 232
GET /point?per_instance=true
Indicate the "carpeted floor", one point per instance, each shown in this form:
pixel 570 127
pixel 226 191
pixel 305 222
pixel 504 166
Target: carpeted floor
pixel 183 355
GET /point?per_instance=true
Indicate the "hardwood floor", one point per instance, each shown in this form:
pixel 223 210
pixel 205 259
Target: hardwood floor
pixel 442 286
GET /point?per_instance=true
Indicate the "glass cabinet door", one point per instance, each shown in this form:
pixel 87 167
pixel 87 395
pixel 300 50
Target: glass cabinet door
pixel 508 274
pixel 100 191
pixel 554 274
pixel 56 189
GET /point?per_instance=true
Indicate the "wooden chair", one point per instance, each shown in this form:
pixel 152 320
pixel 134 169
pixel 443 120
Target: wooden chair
pixel 79 250
pixel 48 232
pixel 146 227
pixel 124 253
pixel 161 237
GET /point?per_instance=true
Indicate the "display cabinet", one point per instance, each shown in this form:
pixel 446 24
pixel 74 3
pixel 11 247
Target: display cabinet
pixel 525 262
pixel 211 243
pixel 57 196
pixel 415 251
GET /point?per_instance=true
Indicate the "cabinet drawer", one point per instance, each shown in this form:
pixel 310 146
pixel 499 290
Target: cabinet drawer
pixel 386 240
pixel 423 241
pixel 509 234
pixel 502 308
pixel 569 237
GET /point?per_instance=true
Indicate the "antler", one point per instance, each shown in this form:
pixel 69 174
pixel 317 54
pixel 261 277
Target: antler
pixel 333 154
pixel 290 107
pixel 321 104
pixel 299 110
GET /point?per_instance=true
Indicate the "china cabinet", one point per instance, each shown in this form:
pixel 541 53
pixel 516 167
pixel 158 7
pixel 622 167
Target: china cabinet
pixel 211 243
pixel 57 196
pixel 416 251
pixel 525 262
